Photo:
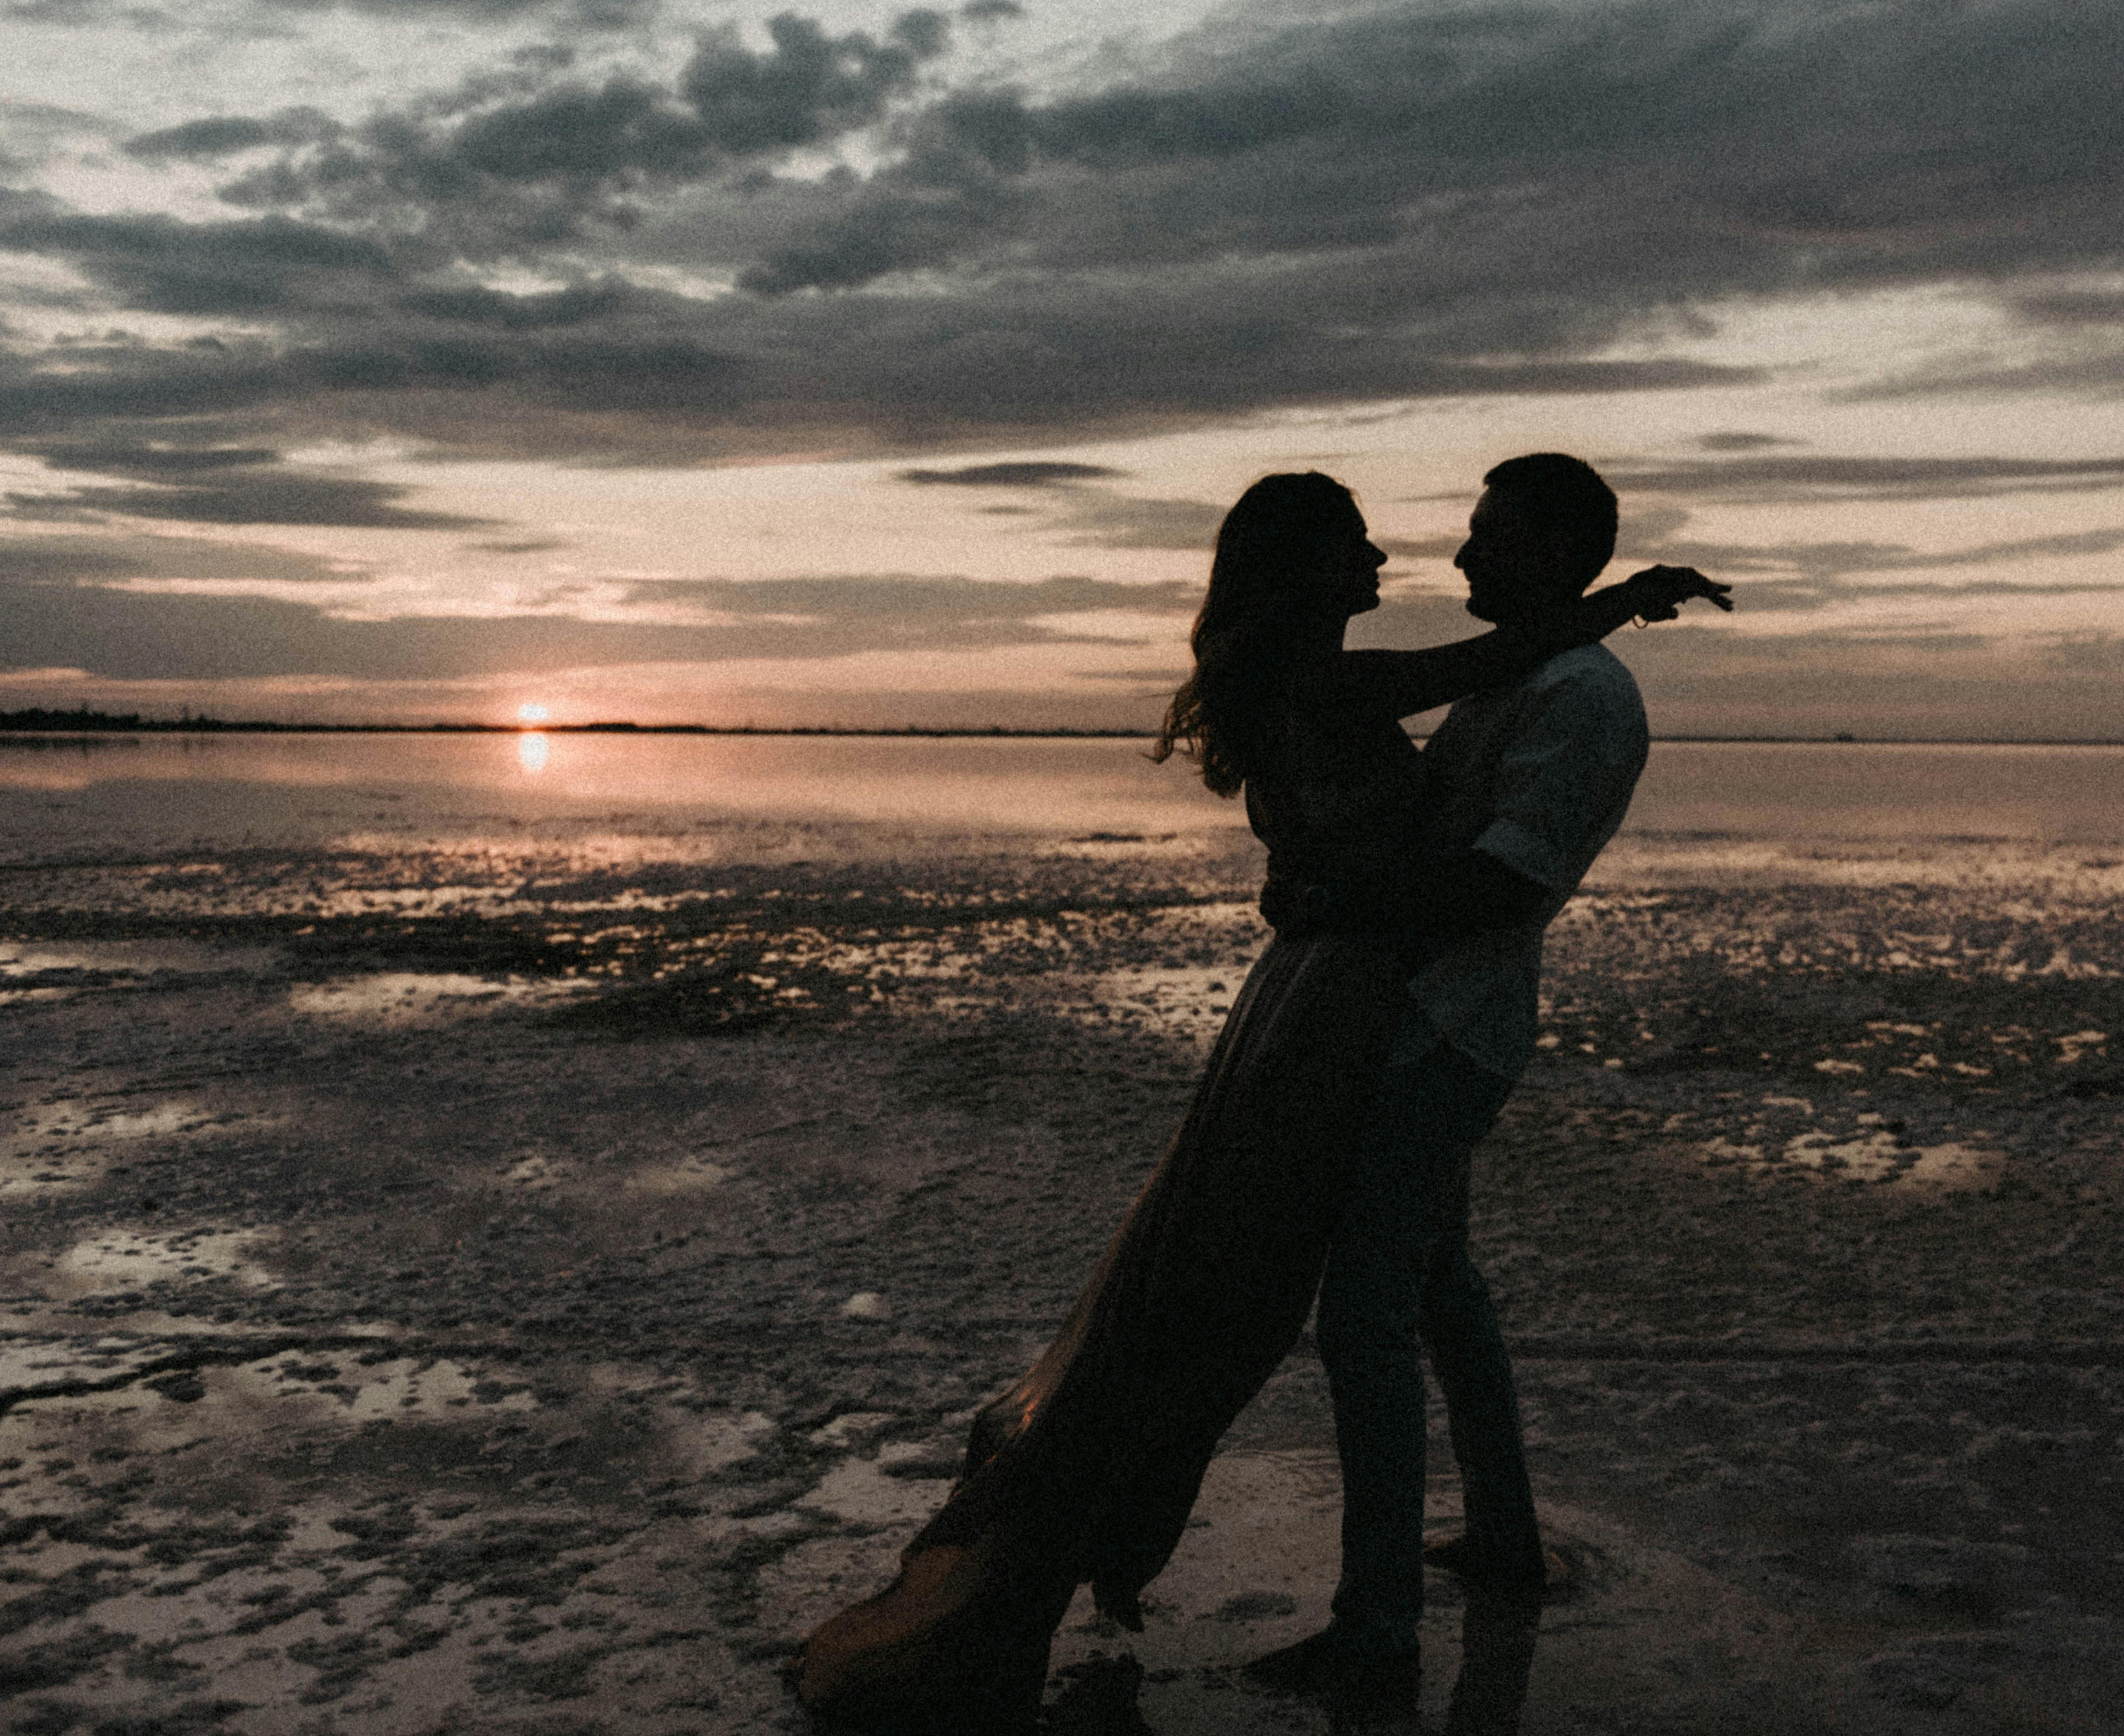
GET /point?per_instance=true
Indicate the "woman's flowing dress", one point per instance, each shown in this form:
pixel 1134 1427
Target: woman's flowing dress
pixel 1086 1469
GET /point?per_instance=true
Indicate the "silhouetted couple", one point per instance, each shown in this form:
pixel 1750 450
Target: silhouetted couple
pixel 1327 1151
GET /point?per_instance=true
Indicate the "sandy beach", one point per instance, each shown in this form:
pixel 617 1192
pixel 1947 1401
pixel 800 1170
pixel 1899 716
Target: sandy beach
pixel 522 1289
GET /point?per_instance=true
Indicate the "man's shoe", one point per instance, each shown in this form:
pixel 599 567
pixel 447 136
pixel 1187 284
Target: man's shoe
pixel 1322 1665
pixel 1454 1554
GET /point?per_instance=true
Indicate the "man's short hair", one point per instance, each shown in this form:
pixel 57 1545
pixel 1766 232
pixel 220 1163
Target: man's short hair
pixel 1567 496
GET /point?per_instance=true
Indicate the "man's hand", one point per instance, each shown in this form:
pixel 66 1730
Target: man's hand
pixel 1660 591
pixel 1469 893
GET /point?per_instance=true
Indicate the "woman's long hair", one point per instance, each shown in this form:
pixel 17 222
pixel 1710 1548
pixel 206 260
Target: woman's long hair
pixel 1260 580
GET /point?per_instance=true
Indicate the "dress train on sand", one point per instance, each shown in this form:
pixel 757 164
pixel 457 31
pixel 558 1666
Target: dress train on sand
pixel 1086 1469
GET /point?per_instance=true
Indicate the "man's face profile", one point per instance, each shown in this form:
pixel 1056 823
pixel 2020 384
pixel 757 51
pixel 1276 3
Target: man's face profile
pixel 1510 562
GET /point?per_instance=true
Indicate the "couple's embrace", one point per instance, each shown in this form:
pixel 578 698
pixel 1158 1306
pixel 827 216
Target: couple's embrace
pixel 1327 1151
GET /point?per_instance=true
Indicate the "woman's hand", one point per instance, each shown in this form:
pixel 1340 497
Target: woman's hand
pixel 1660 591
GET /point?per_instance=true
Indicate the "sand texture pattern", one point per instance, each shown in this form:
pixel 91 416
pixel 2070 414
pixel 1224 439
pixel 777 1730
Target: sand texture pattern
pixel 524 1289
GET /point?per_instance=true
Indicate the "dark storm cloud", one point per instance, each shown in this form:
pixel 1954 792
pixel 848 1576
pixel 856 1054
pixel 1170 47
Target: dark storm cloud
pixel 148 462
pixel 594 14
pixel 219 485
pixel 1742 442
pixel 809 86
pixel 662 376
pixel 223 136
pixel 1124 521
pixel 578 305
pixel 590 14
pixel 80 385
pixel 272 498
pixel 1827 477
pixel 534 154
pixel 2081 370
pixel 264 265
pixel 132 635
pixel 127 635
pixel 1016 473
pixel 1421 200
pixel 44 560
pixel 1702 147
pixel 2072 308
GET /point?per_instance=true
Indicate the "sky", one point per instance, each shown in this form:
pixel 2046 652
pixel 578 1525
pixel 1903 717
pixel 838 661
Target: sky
pixel 681 361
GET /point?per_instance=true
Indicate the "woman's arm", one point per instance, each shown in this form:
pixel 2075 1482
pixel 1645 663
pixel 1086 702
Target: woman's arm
pixel 1406 682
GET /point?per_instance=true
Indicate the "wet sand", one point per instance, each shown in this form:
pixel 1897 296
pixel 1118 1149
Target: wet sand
pixel 520 1289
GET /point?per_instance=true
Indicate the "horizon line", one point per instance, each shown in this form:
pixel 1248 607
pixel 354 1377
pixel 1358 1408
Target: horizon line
pixel 83 721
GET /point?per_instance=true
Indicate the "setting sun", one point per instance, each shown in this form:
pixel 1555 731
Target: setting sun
pixel 531 712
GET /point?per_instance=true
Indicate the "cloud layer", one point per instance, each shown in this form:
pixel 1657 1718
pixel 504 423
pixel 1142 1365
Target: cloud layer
pixel 800 232
pixel 595 232
pixel 66 609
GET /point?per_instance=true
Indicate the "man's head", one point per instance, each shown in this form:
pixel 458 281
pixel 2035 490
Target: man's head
pixel 1543 531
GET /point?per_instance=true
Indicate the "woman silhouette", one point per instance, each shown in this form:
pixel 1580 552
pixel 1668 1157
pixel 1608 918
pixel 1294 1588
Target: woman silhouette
pixel 1086 1470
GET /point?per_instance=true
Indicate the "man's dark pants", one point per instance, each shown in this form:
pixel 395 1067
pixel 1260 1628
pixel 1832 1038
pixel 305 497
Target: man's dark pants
pixel 1399 1281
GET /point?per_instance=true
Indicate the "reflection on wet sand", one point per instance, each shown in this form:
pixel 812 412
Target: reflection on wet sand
pixel 1497 1658
pixel 1498 1642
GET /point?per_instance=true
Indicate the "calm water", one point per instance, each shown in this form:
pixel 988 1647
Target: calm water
pixel 76 799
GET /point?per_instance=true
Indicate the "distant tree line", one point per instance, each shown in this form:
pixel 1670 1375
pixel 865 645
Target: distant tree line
pixel 82 721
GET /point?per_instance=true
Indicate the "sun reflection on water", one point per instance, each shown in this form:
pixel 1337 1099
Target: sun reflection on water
pixel 532 749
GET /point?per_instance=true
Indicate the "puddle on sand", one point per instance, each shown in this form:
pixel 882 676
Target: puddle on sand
pixel 38 970
pixel 539 1175
pixel 403 998
pixel 1869 1151
pixel 867 1492
pixel 347 1392
pixel 716 1442
pixel 122 958
pixel 69 1145
pixel 31 1366
pixel 543 1172
pixel 126 1261
pixel 689 1175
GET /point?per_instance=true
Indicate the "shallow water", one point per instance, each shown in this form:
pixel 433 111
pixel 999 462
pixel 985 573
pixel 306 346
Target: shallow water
pixel 682 795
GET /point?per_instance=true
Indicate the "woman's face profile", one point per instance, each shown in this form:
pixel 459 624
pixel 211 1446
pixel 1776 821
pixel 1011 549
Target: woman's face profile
pixel 1350 563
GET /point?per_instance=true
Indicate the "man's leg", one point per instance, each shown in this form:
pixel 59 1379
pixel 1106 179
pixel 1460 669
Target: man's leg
pixel 1459 1328
pixel 1400 1235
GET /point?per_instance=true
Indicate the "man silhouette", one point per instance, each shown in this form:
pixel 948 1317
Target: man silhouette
pixel 1524 786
